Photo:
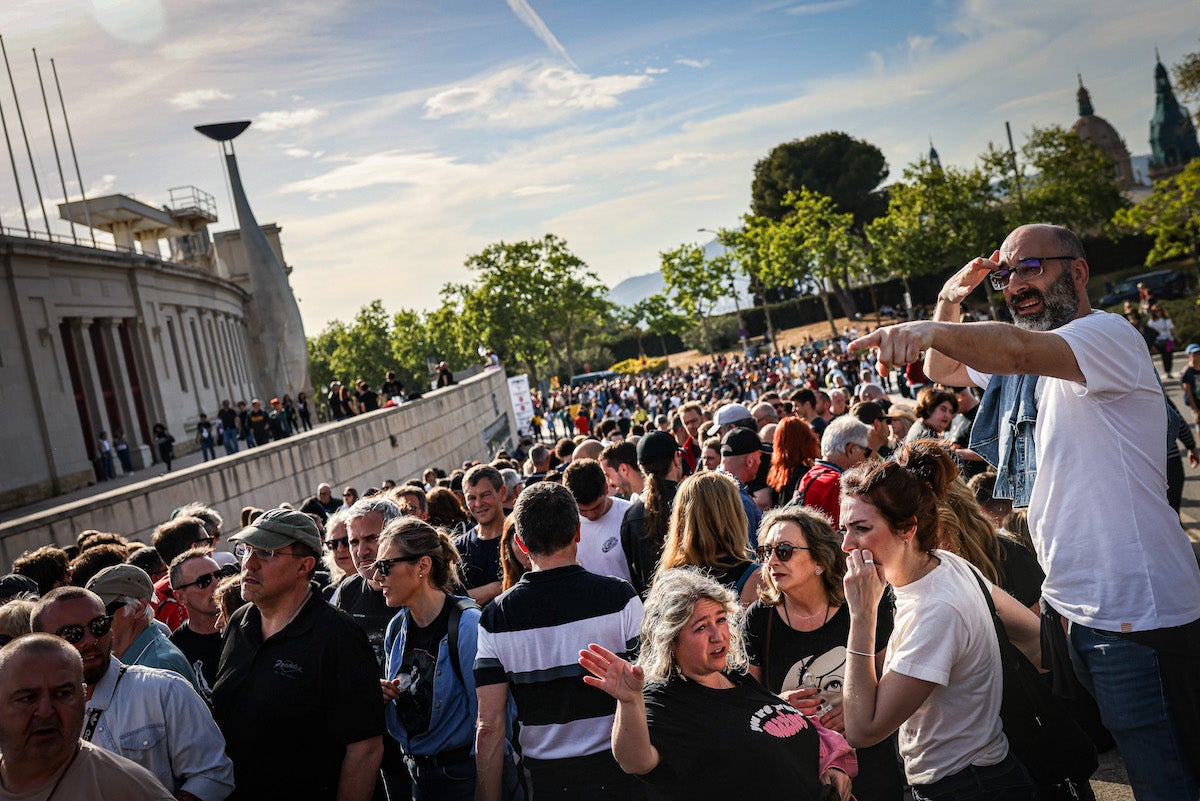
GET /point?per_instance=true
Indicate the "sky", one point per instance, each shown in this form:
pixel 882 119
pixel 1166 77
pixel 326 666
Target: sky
pixel 391 139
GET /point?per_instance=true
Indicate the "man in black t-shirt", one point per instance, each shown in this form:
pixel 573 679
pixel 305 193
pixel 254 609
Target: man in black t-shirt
pixel 229 427
pixel 392 388
pixel 194 576
pixel 297 694
pixel 368 398
pixel 259 422
pixel 356 595
pixel 480 547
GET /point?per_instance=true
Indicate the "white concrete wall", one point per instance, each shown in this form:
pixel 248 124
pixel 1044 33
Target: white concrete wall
pixel 442 429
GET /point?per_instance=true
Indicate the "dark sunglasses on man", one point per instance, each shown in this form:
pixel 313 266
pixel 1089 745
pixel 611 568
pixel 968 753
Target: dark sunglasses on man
pixel 99 626
pixel 205 580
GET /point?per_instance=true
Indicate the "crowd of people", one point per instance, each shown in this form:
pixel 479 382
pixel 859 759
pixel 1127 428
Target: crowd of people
pixel 756 577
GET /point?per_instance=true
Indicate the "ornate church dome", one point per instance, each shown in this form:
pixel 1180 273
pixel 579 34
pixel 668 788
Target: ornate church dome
pixel 1100 132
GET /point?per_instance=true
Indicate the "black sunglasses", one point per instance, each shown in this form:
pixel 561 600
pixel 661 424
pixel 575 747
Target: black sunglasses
pixel 384 566
pixel 114 607
pixel 201 581
pixel 783 550
pixel 337 543
pixel 99 626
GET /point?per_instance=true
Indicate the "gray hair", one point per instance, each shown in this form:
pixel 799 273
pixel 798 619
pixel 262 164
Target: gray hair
pixel 511 479
pixel 843 431
pixel 206 513
pixel 388 510
pixel 669 606
pixel 873 388
pixel 145 612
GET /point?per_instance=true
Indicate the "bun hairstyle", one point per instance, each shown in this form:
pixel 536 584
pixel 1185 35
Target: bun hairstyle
pixel 906 489
pixel 415 537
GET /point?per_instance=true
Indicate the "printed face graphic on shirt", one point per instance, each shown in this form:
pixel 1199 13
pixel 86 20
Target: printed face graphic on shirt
pixel 828 672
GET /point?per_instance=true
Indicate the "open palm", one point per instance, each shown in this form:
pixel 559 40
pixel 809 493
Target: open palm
pixel 612 674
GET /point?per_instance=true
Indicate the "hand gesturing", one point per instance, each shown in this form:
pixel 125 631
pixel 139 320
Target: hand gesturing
pixel 612 674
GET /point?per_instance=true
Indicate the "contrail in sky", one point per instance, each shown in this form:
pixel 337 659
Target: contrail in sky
pixel 526 14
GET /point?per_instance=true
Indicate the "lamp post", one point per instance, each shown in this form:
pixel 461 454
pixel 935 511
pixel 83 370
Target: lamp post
pixel 733 289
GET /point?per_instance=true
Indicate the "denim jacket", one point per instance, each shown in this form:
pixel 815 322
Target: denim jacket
pixel 455 706
pixel 1003 435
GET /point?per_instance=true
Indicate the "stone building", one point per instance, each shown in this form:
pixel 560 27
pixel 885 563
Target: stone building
pixel 1172 136
pixel 1100 132
pixel 119 338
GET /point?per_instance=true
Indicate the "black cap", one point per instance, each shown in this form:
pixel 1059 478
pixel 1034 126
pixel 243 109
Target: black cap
pixel 740 441
pixel 15 584
pixel 655 447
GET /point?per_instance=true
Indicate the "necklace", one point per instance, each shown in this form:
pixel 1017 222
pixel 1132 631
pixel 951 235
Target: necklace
pixel 788 617
pixel 57 781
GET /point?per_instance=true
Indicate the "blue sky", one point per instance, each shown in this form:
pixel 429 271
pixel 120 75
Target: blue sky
pixel 393 139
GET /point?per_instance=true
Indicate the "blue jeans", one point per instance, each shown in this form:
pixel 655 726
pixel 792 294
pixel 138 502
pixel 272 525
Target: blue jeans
pixel 1124 678
pixel 229 436
pixel 208 449
pixel 1007 780
pixel 456 781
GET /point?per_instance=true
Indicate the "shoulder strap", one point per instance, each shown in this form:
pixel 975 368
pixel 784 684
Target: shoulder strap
pixel 802 493
pixel 741 582
pixel 456 612
pixel 766 654
pixel 94 714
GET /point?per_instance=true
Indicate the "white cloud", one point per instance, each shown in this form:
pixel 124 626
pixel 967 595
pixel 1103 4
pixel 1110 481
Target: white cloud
pixel 283 120
pixel 388 167
pixel 808 9
pixel 297 152
pixel 656 70
pixel 688 160
pixel 532 96
pixel 698 64
pixel 535 190
pixel 197 98
pixel 527 15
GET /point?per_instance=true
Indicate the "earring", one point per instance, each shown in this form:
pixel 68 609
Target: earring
pixel 420 575
pixel 818 570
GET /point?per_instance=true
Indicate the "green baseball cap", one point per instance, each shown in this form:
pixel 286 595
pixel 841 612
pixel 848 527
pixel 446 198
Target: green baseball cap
pixel 277 528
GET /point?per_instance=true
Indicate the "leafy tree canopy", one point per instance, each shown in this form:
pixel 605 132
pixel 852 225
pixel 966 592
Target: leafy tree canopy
pixel 833 164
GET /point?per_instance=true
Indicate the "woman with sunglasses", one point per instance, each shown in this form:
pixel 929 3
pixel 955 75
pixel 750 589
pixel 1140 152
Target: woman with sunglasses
pixel 940 683
pixel 337 558
pixel 796 633
pixel 429 687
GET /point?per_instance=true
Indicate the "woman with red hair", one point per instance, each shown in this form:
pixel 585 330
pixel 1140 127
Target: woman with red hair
pixel 796 446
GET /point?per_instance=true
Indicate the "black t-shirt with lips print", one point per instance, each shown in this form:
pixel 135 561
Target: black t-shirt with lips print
pixel 742 742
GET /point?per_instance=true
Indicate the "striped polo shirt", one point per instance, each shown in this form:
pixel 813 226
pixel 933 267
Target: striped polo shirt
pixel 530 638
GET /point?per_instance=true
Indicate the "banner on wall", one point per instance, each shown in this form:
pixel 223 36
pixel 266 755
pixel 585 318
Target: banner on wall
pixel 522 404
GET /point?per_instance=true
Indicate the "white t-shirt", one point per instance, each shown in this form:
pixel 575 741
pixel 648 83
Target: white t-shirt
pixel 944 634
pixel 1114 553
pixel 600 550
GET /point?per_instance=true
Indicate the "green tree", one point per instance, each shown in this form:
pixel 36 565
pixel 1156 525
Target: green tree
pixel 1072 182
pixel 531 301
pixel 696 283
pixel 937 219
pixel 361 349
pixel 1171 214
pixel 661 318
pixel 748 246
pixel 1187 78
pixel 813 241
pixel 834 164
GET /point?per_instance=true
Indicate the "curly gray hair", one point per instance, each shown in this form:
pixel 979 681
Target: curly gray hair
pixel 669 606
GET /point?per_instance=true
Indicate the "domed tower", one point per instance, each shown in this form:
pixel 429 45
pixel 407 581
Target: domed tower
pixel 1172 136
pixel 1100 133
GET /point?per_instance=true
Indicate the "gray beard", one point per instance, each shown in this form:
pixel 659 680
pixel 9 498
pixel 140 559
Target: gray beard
pixel 1059 305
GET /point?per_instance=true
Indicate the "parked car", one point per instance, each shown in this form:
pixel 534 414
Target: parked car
pixel 1163 284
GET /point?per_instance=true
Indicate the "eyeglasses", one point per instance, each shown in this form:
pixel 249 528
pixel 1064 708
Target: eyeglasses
pixel 1025 269
pixel 384 566
pixel 205 541
pixel 114 607
pixel 783 550
pixel 5 639
pixel 201 582
pixel 99 626
pixel 337 543
pixel 243 552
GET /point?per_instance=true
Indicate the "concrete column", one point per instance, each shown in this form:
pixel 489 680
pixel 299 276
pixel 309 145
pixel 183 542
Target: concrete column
pixel 89 372
pixel 139 453
pixel 189 361
pixel 147 371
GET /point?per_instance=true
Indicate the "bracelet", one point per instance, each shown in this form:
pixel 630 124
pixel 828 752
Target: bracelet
pixel 858 653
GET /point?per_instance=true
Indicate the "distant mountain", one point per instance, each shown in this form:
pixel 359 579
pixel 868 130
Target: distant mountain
pixel 639 287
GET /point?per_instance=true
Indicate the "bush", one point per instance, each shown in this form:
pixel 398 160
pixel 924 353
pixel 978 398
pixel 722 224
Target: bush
pixel 635 366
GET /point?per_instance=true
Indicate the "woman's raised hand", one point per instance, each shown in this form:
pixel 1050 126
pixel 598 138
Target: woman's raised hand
pixel 612 674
